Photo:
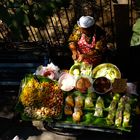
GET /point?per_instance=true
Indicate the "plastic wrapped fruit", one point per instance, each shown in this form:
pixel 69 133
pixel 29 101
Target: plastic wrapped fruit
pixel 79 101
pixel 69 100
pixel 78 109
pixel 76 116
pixel 89 102
pixel 68 110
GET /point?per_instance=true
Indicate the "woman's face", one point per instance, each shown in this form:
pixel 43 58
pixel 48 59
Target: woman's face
pixel 88 31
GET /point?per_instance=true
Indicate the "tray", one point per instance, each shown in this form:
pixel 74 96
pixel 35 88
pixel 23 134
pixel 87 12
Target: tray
pixel 65 124
pixel 77 129
pixel 39 99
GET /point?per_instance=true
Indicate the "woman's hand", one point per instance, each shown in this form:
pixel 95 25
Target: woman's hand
pixel 87 55
pixel 73 49
pixel 91 53
pixel 74 56
pixel 81 57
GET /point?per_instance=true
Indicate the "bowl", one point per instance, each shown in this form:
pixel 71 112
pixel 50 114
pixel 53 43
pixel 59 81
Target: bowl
pixel 102 85
pixel 107 70
pixel 83 83
pixel 75 69
pixel 66 82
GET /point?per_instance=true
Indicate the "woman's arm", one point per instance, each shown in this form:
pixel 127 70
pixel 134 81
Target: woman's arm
pixel 73 39
pixel 73 49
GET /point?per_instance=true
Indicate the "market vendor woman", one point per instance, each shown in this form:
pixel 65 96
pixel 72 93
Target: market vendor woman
pixel 87 41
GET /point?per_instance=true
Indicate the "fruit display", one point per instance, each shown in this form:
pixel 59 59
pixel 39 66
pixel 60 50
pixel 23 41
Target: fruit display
pixel 79 98
pixel 114 111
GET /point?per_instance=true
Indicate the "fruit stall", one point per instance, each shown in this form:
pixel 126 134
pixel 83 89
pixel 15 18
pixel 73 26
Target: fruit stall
pixel 79 98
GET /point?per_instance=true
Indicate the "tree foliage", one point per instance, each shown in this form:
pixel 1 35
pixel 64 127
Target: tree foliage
pixel 17 14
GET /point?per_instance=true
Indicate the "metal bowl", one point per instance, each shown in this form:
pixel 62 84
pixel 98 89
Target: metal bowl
pixel 102 85
pixel 107 70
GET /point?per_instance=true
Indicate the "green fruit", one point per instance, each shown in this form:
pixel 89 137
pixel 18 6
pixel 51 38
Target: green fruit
pixel 76 72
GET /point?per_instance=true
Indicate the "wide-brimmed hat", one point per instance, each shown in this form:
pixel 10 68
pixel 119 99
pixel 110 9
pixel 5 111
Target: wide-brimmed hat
pixel 86 21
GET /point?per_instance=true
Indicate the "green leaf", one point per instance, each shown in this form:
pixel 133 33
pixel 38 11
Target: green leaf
pixel 88 118
pixel 100 122
pixel 26 20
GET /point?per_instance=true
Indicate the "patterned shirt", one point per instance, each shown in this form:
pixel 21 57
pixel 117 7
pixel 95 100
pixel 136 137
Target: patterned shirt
pixel 85 46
